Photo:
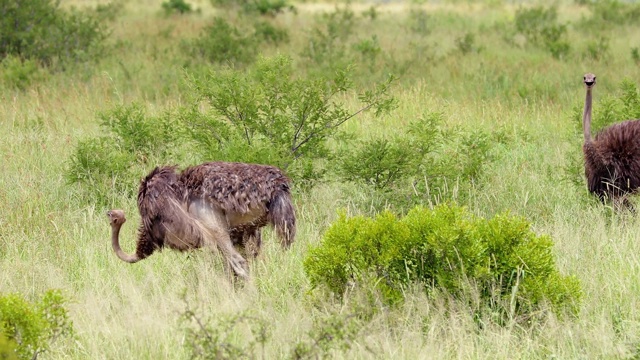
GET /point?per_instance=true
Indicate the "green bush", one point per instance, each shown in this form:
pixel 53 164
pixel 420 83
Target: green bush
pixel 32 327
pixel 467 44
pixel 269 33
pixel 18 73
pixel 380 163
pixel 606 14
pixel 540 27
pixel 221 42
pixel 176 6
pixel 327 41
pixel 635 55
pixel 237 336
pixel 244 336
pixel 112 164
pixel 598 49
pixel 251 7
pixel 500 260
pixel 267 115
pixel 39 30
pixel 427 163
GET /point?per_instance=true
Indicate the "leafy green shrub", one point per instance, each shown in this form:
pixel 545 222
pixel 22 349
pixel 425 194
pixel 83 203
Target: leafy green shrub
pixel 606 14
pixel 269 33
pixel 40 31
pixel 467 44
pixel 598 49
pixel 540 27
pixel 221 42
pixel 244 336
pixel 235 336
pixel 500 260
pixel 33 327
pixel 419 22
pixel 250 7
pixel 369 50
pixel 111 164
pixel 329 333
pixel 427 163
pixel 635 55
pixel 266 115
pixel 327 41
pixel 176 6
pixel 381 163
pixel 18 73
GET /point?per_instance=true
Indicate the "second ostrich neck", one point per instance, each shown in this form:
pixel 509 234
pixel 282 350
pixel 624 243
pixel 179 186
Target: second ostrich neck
pixel 586 118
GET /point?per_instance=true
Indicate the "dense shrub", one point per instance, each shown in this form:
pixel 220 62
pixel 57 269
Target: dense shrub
pixel 327 42
pixel 252 7
pixel 605 14
pixel 540 27
pixel 39 30
pixel 427 163
pixel 500 260
pixel 244 336
pixel 30 327
pixel 18 73
pixel 112 164
pixel 222 42
pixel 237 336
pixel 176 6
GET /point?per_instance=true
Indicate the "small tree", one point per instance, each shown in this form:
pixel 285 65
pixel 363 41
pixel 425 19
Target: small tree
pixel 267 115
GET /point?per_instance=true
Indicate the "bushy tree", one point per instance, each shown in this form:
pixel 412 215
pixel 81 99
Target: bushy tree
pixel 268 115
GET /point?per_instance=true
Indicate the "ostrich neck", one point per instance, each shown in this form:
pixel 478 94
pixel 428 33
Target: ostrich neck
pixel 586 117
pixel 115 243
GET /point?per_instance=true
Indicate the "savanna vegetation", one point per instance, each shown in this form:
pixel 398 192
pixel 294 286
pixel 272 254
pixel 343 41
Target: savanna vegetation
pixel 434 148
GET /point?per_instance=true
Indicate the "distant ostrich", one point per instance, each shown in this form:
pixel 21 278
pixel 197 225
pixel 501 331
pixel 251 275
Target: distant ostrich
pixel 612 160
pixel 215 204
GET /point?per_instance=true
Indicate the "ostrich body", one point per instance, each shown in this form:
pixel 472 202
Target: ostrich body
pixel 612 159
pixel 216 204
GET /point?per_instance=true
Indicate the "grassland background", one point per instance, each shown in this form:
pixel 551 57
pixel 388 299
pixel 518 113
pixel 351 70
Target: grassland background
pixel 49 238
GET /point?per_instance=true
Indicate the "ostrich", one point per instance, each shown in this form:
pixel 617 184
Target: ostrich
pixel 216 204
pixel 612 159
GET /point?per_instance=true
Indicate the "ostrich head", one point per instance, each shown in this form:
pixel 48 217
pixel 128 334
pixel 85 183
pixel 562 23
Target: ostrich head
pixel 589 80
pixel 116 217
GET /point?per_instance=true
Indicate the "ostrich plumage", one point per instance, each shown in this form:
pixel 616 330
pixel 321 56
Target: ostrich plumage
pixel 216 204
pixel 612 159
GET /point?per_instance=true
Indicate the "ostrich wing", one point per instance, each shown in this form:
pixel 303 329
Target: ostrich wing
pixel 163 213
pixel 234 187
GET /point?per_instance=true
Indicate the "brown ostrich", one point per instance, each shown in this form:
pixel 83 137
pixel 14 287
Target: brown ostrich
pixel 217 205
pixel 612 159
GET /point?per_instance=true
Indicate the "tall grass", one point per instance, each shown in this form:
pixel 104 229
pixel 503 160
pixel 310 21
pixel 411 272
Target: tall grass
pixel 51 238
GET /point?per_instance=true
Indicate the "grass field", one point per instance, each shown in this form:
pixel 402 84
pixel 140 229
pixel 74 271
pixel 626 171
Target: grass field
pixel 53 236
